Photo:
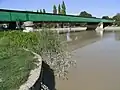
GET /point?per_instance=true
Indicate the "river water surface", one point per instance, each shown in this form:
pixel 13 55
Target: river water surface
pixel 98 62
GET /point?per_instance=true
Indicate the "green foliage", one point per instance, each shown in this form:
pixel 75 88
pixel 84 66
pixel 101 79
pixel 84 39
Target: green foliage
pixel 63 8
pixel 117 19
pixel 54 9
pixel 105 17
pixel 38 42
pixel 14 70
pixel 15 63
pixel 85 14
pixel 44 11
pixel 37 11
pixel 59 9
pixel 40 11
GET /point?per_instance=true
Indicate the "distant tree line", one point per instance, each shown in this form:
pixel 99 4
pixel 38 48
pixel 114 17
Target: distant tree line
pixel 85 14
pixel 41 11
pixel 61 9
pixel 116 18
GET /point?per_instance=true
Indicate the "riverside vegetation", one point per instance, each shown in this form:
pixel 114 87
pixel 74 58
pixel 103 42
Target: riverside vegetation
pixel 16 63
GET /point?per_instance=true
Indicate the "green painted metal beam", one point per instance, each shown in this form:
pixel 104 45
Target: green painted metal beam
pixel 12 15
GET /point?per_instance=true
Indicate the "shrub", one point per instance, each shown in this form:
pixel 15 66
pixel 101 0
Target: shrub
pixel 46 43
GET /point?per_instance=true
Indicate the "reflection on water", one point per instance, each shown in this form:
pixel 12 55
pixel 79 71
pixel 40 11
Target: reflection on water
pixel 79 39
pixel 117 36
pixel 98 63
pixel 100 33
pixel 68 36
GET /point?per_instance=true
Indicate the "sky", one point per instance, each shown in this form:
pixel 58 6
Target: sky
pixel 97 8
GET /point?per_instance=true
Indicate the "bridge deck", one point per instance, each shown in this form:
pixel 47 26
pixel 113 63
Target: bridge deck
pixel 13 15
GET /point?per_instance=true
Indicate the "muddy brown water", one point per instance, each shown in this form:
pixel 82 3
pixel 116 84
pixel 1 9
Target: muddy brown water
pixel 98 62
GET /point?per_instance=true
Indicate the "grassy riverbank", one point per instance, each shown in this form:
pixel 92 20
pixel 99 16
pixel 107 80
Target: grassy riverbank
pixel 15 63
pixel 15 66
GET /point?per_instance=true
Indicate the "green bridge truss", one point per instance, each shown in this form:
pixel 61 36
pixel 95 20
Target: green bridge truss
pixel 13 15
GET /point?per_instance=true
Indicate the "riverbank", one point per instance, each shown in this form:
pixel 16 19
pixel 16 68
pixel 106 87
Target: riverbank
pixel 112 28
pixel 16 63
pixel 77 29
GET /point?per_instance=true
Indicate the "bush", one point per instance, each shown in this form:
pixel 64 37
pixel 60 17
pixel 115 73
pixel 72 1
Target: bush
pixel 46 43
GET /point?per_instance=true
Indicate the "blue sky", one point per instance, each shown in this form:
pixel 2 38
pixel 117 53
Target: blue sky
pixel 95 7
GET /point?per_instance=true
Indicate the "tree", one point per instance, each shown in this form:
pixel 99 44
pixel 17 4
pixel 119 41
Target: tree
pixel 117 19
pixel 63 8
pixel 54 9
pixel 85 14
pixel 37 11
pixel 59 9
pixel 44 11
pixel 40 11
pixel 105 17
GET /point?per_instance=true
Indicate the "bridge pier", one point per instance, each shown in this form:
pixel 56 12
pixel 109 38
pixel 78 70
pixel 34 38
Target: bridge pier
pixel 98 27
pixel 92 26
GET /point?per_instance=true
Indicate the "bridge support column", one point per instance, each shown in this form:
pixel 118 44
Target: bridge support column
pixel 95 26
pixel 92 26
pixel 98 27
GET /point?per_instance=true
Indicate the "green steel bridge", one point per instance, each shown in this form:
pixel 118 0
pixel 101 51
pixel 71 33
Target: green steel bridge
pixel 22 16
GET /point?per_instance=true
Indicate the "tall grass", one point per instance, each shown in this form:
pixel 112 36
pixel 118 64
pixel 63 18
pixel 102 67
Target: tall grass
pixel 15 63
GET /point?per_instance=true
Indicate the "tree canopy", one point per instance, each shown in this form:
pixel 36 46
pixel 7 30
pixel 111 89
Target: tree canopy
pixel 59 9
pixel 37 10
pixel 63 8
pixel 40 11
pixel 105 17
pixel 44 11
pixel 54 9
pixel 117 19
pixel 85 14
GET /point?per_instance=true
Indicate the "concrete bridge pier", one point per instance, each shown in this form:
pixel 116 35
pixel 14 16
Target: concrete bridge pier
pixel 95 26
pixel 98 27
pixel 91 26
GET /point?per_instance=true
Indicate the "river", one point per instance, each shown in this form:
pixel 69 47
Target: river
pixel 98 61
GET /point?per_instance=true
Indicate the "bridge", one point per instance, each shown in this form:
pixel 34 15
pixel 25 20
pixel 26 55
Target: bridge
pixel 13 16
